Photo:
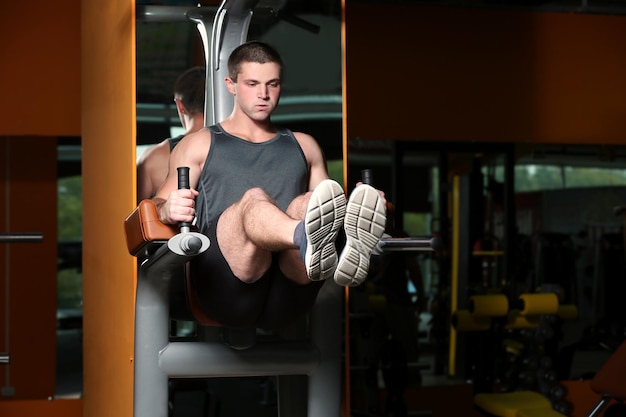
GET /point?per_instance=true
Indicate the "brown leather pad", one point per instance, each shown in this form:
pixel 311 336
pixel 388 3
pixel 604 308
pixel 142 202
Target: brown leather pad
pixel 142 227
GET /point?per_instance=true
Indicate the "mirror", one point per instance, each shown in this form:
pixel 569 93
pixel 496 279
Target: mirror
pixel 488 153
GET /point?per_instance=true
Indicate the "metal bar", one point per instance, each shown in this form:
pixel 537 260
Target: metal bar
pixel 410 244
pixel 4 359
pixel 151 334
pixel 21 237
pixel 604 400
pixel 325 384
pixel 169 13
pixel 215 359
pixel 264 14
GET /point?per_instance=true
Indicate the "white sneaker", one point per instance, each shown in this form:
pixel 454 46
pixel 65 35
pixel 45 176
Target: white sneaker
pixel 323 219
pixel 364 224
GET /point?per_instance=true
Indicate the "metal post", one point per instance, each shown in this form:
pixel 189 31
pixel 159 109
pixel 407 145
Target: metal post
pixel 152 321
pixel 410 244
pixel 204 18
pixel 326 333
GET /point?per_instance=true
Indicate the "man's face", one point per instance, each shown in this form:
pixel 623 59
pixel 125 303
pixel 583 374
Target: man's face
pixel 257 89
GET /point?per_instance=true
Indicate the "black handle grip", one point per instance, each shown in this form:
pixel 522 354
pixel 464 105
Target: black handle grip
pixel 367 176
pixel 183 184
pixel 183 178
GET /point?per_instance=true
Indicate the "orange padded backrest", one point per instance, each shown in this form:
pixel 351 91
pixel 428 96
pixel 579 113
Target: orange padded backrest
pixel 142 227
pixel 610 380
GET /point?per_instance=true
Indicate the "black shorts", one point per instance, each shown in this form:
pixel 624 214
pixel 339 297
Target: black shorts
pixel 272 302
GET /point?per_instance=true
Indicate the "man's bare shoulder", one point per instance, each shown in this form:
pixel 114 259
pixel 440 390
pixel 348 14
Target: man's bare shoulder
pixel 307 142
pixel 304 138
pixel 194 145
pixel 158 150
pixel 197 138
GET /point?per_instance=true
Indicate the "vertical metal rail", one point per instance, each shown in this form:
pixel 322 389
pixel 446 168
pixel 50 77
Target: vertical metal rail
pixel 456 201
pixel 7 288
pixel 152 321
pixel 324 394
pixel 204 19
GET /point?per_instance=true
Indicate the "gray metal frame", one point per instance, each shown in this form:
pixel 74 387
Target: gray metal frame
pixel 157 359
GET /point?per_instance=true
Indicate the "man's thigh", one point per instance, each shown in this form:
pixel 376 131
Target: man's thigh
pixel 224 297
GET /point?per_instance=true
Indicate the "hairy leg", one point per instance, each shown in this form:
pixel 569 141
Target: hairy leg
pixel 290 260
pixel 250 230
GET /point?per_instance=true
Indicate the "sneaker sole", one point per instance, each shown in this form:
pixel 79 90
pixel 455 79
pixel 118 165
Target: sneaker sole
pixel 323 219
pixel 364 225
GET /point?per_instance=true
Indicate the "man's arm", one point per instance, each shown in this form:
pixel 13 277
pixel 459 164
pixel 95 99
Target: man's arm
pixel 152 167
pixel 315 158
pixel 174 205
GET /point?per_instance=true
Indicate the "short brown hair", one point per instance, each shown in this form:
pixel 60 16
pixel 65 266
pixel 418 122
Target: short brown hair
pixel 189 87
pixel 252 51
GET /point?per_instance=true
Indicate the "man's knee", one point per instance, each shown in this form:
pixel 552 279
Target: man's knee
pixel 255 194
pixel 248 200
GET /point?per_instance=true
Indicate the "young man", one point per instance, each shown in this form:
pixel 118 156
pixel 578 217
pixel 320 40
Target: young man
pixel 262 195
pixel 152 164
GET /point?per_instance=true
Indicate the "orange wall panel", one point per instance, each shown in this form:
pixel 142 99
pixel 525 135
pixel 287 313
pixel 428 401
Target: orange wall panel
pixel 109 131
pixel 454 74
pixel 40 76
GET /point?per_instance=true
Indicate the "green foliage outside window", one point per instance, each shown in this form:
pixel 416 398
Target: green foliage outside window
pixel 70 209
pixel 69 212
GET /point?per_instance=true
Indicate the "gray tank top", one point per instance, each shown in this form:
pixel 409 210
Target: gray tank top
pixel 234 165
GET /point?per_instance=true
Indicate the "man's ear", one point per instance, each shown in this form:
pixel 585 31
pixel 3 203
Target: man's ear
pixel 230 85
pixel 180 106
